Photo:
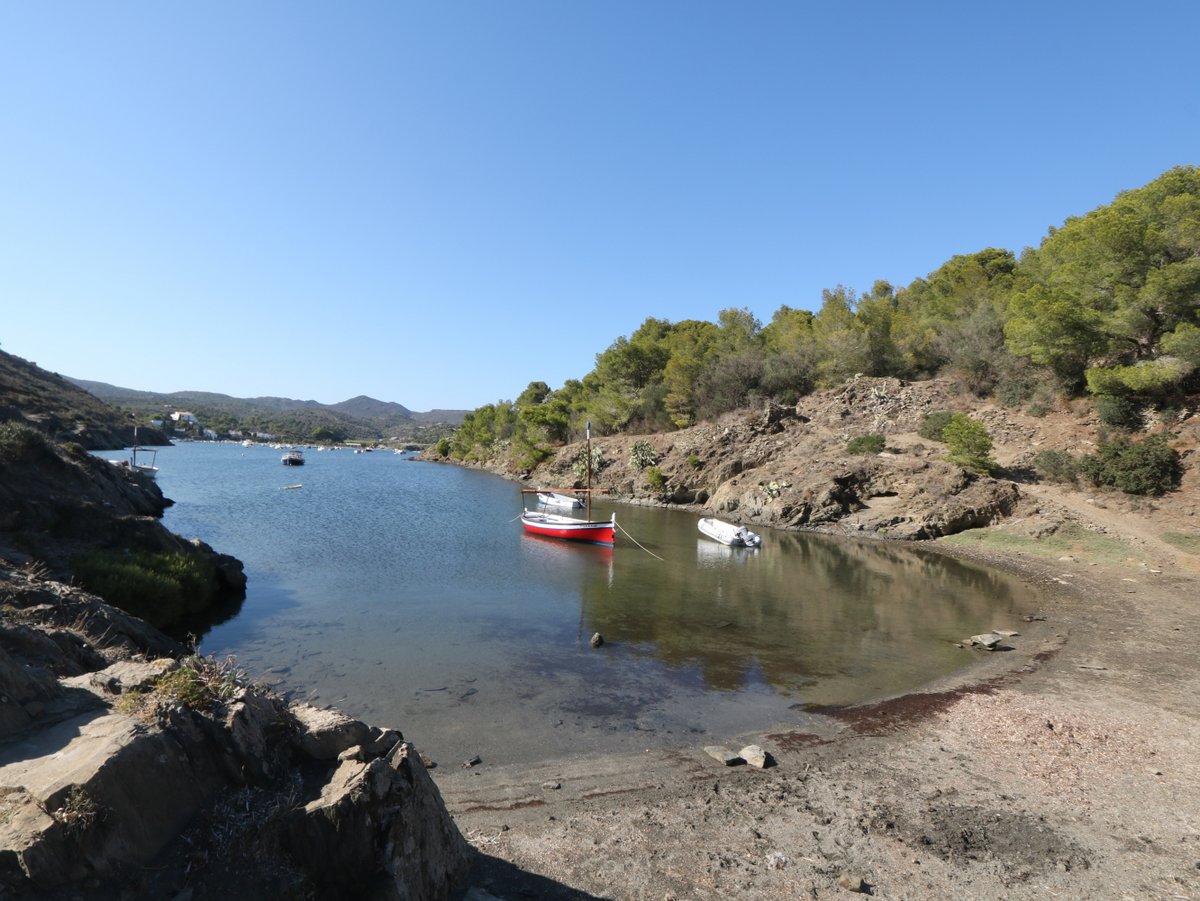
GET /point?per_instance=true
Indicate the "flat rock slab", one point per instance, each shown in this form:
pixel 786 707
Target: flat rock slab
pixel 126 675
pixel 724 755
pixel 131 773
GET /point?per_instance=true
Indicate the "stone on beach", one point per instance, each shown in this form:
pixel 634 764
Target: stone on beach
pixel 723 755
pixel 755 756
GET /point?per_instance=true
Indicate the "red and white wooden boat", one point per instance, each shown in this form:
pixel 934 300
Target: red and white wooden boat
pixel 568 528
pixel 554 525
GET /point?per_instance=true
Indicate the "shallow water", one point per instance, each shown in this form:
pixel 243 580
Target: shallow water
pixel 406 593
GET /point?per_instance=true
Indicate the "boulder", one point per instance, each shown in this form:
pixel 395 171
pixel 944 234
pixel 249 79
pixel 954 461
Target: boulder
pixel 755 756
pixel 323 734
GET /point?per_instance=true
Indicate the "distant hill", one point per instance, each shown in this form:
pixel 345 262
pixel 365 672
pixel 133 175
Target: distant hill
pixel 61 409
pixel 369 406
pixel 360 418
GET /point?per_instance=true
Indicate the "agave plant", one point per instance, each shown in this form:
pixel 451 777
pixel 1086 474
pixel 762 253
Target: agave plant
pixel 642 455
pixel 581 463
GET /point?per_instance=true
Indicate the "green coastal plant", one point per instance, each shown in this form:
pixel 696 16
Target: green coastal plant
pixel 694 461
pixel 655 478
pixel 160 587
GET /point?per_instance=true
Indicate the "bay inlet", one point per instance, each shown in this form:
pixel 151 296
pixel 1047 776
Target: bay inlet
pixel 406 594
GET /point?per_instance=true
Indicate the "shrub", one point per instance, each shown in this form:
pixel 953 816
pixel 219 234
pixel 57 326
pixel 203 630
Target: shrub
pixel 865 444
pixel 1119 412
pixel 1013 392
pixel 655 479
pixel 442 448
pixel 1149 467
pixel 21 444
pixel 75 449
pixel 78 810
pixel 694 461
pixel 934 425
pixel 969 444
pixel 642 455
pixel 1055 466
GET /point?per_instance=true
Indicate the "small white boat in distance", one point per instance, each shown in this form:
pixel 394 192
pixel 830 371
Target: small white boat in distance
pixel 727 533
pixel 294 457
pixel 554 499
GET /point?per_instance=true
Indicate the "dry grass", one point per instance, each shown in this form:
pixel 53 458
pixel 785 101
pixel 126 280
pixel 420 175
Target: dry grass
pixel 1071 539
pixel 1188 542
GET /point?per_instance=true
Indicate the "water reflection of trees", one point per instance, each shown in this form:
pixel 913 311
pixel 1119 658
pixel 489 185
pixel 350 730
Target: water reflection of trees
pixel 803 609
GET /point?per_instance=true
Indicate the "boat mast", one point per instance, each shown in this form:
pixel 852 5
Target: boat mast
pixel 588 467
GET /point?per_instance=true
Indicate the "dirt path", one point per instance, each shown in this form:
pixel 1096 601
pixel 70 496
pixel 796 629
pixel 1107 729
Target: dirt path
pixel 1067 767
pixel 1142 530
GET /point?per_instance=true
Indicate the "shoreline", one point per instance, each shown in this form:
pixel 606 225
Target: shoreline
pixel 1062 767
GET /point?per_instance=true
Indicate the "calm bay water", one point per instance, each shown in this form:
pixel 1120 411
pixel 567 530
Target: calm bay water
pixel 406 594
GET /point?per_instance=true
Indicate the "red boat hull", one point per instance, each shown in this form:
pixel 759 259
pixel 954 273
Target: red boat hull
pixel 568 529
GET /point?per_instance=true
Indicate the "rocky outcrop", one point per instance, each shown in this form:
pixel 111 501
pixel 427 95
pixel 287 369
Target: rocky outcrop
pixel 788 467
pixel 58 502
pixel 132 769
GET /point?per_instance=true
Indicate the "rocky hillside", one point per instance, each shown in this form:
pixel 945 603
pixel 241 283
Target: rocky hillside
pixel 64 411
pixel 129 768
pixel 69 513
pixel 788 467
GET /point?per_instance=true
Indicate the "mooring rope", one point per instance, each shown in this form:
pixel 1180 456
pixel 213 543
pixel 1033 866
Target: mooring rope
pixel 639 544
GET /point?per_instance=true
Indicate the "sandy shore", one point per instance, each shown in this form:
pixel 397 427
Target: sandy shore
pixel 1068 766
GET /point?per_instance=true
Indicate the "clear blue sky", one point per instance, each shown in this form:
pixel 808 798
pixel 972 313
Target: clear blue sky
pixel 436 203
